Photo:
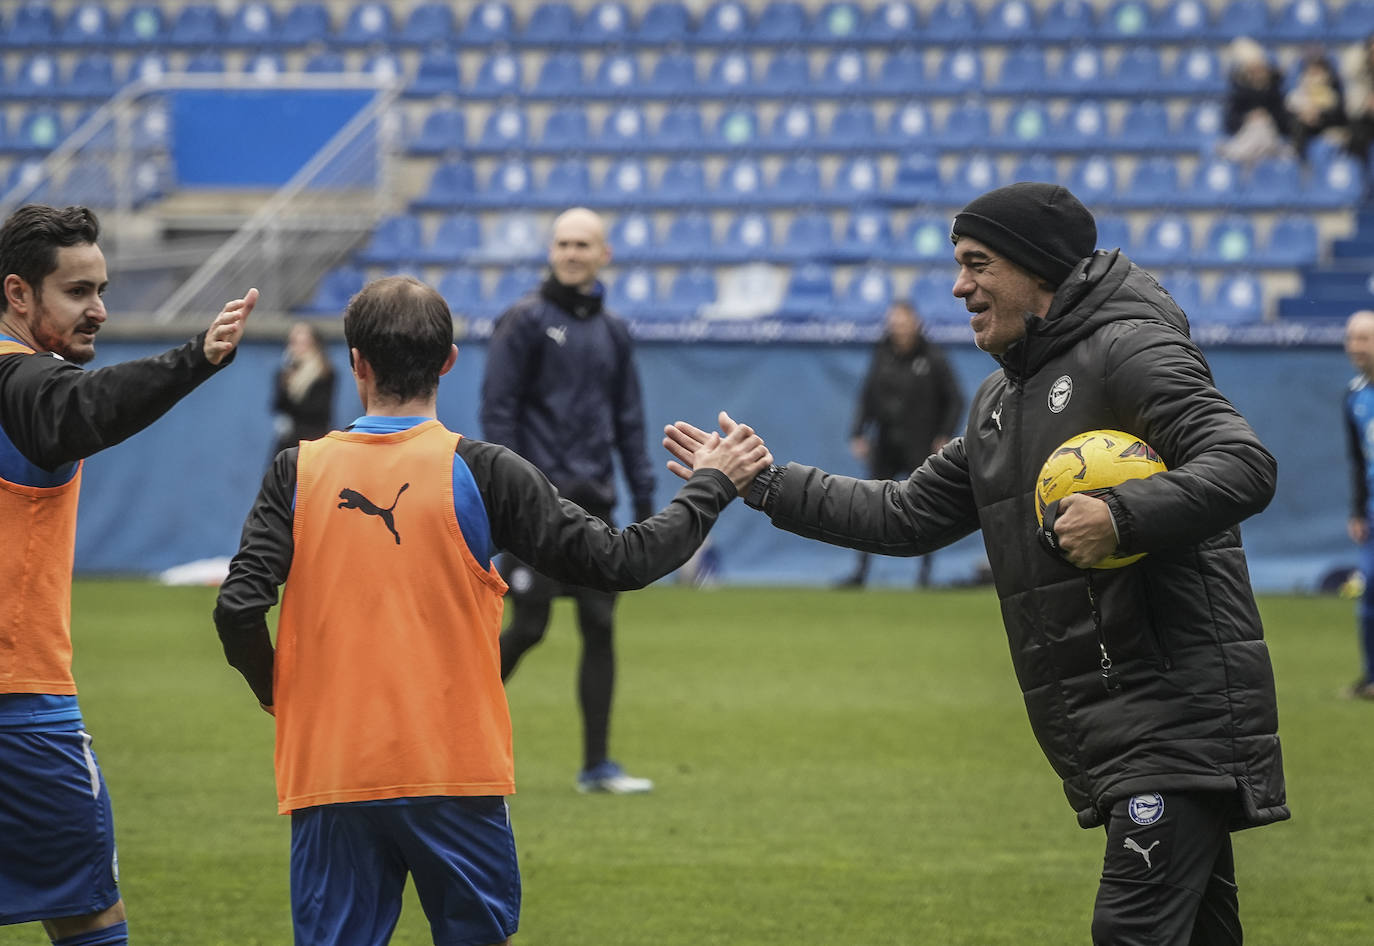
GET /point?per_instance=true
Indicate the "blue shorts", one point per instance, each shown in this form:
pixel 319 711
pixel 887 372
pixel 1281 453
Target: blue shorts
pixel 57 849
pixel 349 865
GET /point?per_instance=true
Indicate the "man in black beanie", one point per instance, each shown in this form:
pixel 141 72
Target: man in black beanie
pixel 1148 686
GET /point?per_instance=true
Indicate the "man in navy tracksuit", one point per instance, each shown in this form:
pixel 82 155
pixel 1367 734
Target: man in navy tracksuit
pixel 561 390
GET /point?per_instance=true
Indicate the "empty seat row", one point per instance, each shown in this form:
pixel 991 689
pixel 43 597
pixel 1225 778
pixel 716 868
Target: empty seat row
pixel 725 22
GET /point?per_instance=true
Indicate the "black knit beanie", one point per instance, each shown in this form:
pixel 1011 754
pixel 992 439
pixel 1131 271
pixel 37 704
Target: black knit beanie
pixel 1040 227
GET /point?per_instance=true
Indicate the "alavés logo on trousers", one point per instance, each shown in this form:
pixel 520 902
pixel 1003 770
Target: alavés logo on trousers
pixel 352 499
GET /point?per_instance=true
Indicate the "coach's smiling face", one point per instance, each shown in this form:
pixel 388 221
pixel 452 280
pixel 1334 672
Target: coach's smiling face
pixel 998 293
pixel 63 313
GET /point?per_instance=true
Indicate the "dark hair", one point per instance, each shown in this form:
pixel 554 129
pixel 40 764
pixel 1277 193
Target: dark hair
pixel 405 331
pixel 30 238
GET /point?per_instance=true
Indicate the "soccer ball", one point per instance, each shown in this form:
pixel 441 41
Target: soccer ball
pixel 1095 460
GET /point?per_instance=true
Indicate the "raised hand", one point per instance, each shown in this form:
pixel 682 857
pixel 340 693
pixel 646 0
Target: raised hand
pixel 226 331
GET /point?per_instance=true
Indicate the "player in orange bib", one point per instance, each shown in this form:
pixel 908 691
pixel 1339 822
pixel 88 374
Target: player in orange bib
pixel 393 749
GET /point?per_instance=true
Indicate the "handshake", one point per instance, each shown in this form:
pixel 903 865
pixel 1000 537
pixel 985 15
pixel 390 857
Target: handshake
pixel 736 451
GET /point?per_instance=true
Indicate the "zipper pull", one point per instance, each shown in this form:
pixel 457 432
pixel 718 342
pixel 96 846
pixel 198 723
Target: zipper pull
pixel 1110 678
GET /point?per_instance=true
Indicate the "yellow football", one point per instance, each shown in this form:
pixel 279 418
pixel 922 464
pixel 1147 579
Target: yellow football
pixel 1095 460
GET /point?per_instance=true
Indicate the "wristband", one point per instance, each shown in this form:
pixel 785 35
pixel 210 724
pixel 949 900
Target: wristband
pixel 764 490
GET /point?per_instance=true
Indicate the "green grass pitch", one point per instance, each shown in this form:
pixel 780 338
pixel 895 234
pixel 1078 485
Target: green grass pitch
pixel 832 768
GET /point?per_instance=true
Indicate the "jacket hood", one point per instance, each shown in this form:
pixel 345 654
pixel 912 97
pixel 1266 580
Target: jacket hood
pixel 1105 287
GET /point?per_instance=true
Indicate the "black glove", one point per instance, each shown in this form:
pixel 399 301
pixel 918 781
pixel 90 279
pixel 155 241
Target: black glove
pixel 644 509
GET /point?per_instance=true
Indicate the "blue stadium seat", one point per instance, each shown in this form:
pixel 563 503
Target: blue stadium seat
pixel 514 237
pixel 794 128
pixel 1127 21
pixel 1243 18
pixel 810 293
pixel 510 184
pixel 1184 287
pixel 1068 21
pixel 1167 241
pixel 1354 21
pixel 1229 241
pixel 933 295
pixel 683 183
pixel 1144 126
pixel 560 76
pixel 749 238
pixel 605 24
pixel 1293 241
pixel 892 21
pixel 917 180
pixel 461 288
pixel 506 129
pixel 395 241
pixel 809 236
pixel 867 237
pixel 1093 180
pixel 253 25
pixel 845 74
pixel 566 130
pixel 968 124
pixel 854 127
pixel 551 23
pixel 1272 182
pixel 737 128
pixel 796 184
pixel 1138 72
pixel 326 62
pixel 142 25
pixel 34 26
pixel 25 182
pixel 625 184
pixel 902 72
pixel 665 21
pixel 692 289
pixel 974 176
pixel 369 23
pixel 838 22
pixel 625 128
pixel 513 283
pixel 1023 71
pixel 451 187
pixel 951 21
pixel 1113 232
pixel 688 238
pixel 788 73
pixel 88 24
pixel 867 296
pixel 264 66
pixel 924 240
pixel 428 24
pixel 725 23
pixel 633 294
pixel 1336 183
pixel 681 127
pixel 149 67
pixel 1082 72
pixel 456 239
pixel 1237 299
pixel 205 62
pixel 673 76
pixel 731 74
pixel 1027 126
pixel 37 78
pixel 1036 167
pixel 490 23
pixel 1153 183
pixel 909 126
pixel 152 127
pixel 857 181
pixel 741 183
pixel 959 71
pixel 568 183
pixel 1216 182
pixel 1197 70
pixel 335 288
pixel 780 22
pixel 1009 21
pixel 631 238
pixel 437 73
pixel 197 25
pixel 1183 21
pixel 306 22
pixel 618 76
pixel 384 65
pixel 499 75
pixel 1083 125
pixel 1201 126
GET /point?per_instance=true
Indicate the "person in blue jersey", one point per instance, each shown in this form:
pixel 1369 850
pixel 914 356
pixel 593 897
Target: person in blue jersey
pixel 1359 428
pixel 395 759
pixel 57 851
pixel 562 391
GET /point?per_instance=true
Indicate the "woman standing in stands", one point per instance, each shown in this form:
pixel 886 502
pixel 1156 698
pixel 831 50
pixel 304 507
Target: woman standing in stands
pixel 303 397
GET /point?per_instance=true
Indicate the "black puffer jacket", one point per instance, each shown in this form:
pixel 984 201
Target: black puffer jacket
pixel 1195 706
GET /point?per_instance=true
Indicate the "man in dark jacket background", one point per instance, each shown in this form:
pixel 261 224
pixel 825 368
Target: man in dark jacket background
pixel 909 407
pixel 561 390
pixel 1148 687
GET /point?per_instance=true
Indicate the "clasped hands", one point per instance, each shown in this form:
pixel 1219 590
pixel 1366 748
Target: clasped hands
pixel 740 453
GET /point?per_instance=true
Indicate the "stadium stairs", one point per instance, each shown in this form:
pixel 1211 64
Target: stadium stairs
pixel 1344 283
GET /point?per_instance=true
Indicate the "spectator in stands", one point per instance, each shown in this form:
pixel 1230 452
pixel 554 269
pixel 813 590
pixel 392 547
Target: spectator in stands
pixel 57 846
pixel 1256 120
pixel 1316 104
pixel 303 395
pixel 1357 68
pixel 1359 427
pixel 561 390
pixel 1149 686
pixel 909 407
pixel 393 738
